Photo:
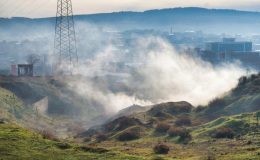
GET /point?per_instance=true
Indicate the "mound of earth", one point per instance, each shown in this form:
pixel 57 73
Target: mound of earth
pixel 112 127
pixel 172 108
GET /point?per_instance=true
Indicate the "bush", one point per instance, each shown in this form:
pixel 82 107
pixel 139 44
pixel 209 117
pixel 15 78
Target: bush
pixel 175 131
pixel 199 109
pixel 183 121
pixel 129 134
pixel 162 127
pixel 47 134
pixel 223 132
pixel 161 149
pixel 87 139
pixel 184 134
pixel 93 149
pixel 101 137
pixel 63 145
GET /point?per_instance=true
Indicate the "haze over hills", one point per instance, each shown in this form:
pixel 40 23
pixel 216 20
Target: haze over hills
pixel 191 18
pixel 137 94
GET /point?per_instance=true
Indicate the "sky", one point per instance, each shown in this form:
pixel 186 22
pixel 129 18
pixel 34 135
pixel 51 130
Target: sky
pixel 47 8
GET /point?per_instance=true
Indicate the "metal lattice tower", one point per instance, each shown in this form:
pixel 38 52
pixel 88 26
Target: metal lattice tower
pixel 65 38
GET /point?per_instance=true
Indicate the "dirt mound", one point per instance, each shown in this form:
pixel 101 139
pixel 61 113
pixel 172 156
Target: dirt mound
pixel 121 123
pixel 172 108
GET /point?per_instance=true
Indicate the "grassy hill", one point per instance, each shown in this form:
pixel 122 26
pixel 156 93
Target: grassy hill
pixel 22 144
pixel 244 98
pixel 225 129
pixel 61 99
pixel 67 111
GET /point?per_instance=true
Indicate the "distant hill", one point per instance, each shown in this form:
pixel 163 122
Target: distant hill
pixel 209 20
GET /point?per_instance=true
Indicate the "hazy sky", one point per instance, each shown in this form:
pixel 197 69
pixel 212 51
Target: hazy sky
pixel 45 8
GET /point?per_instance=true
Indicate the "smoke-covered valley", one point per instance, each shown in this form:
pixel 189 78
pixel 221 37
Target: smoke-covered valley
pixel 176 83
pixel 157 73
pixel 142 69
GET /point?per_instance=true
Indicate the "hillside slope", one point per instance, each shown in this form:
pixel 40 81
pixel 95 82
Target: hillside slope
pixel 244 98
pixel 22 144
pixel 62 100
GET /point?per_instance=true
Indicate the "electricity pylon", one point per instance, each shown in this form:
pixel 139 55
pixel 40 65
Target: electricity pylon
pixel 65 38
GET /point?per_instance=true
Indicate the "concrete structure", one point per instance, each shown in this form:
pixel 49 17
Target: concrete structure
pixel 229 50
pixel 229 45
pixel 25 69
pixel 13 70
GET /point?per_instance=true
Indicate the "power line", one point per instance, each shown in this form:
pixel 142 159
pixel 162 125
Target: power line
pixel 65 38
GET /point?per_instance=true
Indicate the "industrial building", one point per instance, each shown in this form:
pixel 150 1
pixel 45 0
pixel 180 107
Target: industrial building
pixel 229 45
pixel 230 50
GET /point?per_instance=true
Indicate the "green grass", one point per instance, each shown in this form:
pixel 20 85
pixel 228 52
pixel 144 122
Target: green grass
pixel 21 144
pixel 241 124
pixel 11 107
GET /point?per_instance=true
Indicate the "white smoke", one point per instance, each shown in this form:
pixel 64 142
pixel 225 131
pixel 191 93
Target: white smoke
pixel 171 76
pixel 163 75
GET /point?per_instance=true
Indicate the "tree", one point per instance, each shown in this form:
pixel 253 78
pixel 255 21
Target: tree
pixel 33 58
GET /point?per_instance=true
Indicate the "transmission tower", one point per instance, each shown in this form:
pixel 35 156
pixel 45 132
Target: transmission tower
pixel 65 38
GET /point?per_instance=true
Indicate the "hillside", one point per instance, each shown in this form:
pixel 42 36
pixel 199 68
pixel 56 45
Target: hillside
pixel 208 20
pixel 62 100
pixel 225 129
pixel 22 144
pixel 244 98
pixel 45 104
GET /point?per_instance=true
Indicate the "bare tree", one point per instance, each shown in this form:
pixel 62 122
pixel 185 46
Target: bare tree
pixel 33 58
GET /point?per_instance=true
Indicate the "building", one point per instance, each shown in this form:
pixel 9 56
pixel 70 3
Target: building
pixel 25 70
pixel 229 45
pixel 230 50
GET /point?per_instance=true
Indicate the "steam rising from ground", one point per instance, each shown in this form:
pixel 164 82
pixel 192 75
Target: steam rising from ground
pixel 160 74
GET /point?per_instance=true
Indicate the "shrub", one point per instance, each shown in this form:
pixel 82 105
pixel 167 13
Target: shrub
pixel 93 149
pixel 129 134
pixel 162 127
pixel 175 131
pixel 87 139
pixel 184 134
pixel 161 149
pixel 101 137
pixel 242 81
pixel 158 158
pixel 47 134
pixel 224 132
pixel 63 145
pixel 183 121
pixel 217 103
pixel 199 109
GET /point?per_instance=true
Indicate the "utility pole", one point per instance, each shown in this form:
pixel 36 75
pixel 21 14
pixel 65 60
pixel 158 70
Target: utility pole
pixel 65 38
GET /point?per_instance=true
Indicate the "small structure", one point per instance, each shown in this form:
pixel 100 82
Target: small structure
pixel 13 70
pixel 25 70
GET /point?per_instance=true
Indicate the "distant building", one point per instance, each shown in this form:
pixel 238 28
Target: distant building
pixel 25 70
pixel 230 50
pixel 229 45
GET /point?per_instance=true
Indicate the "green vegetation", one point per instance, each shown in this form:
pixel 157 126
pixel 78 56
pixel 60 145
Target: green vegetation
pixel 22 144
pixel 227 128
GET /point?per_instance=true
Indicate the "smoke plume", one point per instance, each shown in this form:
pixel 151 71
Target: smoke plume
pixel 158 74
